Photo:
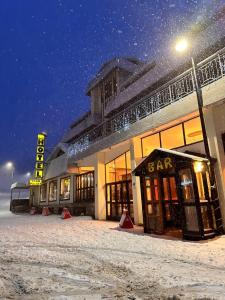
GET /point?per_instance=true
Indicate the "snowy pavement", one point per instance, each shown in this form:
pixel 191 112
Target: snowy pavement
pixel 49 258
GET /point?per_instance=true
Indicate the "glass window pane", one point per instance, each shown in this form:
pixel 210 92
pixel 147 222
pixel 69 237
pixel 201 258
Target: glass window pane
pixel 53 191
pixel 128 163
pixel 205 217
pixel 173 188
pixel 65 188
pixel 201 191
pixel 150 210
pixel 166 189
pixel 172 137
pixel 191 218
pixel 120 165
pixel 149 143
pixel 110 172
pixel 193 131
pixel 148 194
pixel 187 185
pixel 43 192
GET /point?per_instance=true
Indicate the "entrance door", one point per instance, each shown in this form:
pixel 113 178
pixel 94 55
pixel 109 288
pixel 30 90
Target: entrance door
pixel 119 196
pixel 170 203
pixel 151 194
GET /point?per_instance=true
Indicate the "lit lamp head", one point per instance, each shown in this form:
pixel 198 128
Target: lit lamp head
pixel 198 166
pixel 181 45
pixel 9 165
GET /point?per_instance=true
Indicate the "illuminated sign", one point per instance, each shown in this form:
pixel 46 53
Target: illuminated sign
pixel 160 165
pixel 39 166
pixel 35 181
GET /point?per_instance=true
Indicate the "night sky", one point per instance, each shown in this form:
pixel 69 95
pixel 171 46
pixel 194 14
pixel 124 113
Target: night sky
pixel 50 49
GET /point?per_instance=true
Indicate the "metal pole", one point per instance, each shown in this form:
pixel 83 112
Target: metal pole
pixel 214 193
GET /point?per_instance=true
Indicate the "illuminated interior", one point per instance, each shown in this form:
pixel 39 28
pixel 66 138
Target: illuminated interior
pixel 53 190
pixel 183 134
pixel 43 193
pixel 65 188
pixel 119 169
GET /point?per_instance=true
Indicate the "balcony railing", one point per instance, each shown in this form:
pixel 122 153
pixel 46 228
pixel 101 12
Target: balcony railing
pixel 211 69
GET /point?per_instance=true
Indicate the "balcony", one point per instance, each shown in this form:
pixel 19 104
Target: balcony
pixel 83 124
pixel 210 70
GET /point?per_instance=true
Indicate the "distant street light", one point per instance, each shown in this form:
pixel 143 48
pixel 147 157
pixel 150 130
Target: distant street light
pixel 28 174
pixel 182 45
pixel 10 166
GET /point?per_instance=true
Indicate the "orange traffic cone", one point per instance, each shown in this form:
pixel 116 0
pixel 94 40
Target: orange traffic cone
pixel 45 211
pixel 33 211
pixel 65 214
pixel 125 221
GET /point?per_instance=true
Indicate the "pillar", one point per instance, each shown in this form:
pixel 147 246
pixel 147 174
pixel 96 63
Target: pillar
pixel 215 126
pixel 135 155
pixel 100 201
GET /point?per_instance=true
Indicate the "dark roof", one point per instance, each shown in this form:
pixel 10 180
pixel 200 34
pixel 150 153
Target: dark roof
pixel 130 64
pixel 163 152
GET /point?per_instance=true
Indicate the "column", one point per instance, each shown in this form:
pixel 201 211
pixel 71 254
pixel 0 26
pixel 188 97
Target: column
pixel 100 201
pixel 215 126
pixel 135 155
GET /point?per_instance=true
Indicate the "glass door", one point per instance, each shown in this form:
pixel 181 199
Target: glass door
pixel 153 205
pixel 170 203
pixel 192 226
pixel 119 196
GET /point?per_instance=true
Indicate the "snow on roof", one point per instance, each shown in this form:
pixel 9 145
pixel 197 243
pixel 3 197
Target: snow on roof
pixel 168 61
pixel 128 64
pixel 182 154
pixel 18 185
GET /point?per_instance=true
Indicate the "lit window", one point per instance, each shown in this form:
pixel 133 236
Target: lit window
pixel 53 190
pixel 150 143
pixel 43 193
pixel 193 131
pixel 65 188
pixel 119 169
pixel 110 172
pixel 172 137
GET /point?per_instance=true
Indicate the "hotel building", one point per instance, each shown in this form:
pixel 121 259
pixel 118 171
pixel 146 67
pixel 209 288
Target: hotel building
pixel 141 145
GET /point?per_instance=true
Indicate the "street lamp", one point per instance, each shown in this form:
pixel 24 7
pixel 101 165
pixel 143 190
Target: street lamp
pixel 10 166
pixel 181 46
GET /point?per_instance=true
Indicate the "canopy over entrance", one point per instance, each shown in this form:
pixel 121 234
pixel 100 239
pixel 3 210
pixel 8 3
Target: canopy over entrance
pixel 176 194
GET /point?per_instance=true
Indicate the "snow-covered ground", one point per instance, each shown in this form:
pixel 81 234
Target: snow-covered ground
pixel 49 258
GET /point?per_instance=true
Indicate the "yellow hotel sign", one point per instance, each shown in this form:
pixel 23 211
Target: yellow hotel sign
pixel 39 166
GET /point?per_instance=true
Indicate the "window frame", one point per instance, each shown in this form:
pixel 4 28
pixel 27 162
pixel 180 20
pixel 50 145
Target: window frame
pixel 160 138
pixel 54 180
pixel 60 192
pixel 113 160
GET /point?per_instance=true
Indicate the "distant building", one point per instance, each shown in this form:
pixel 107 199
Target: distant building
pixel 144 110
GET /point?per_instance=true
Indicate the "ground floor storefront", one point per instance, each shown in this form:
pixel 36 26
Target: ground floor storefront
pixel 103 183
pixel 49 258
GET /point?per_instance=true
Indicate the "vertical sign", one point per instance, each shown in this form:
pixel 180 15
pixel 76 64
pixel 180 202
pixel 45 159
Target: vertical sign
pixel 39 166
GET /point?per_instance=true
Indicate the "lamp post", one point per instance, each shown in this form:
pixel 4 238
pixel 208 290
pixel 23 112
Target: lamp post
pixel 181 46
pixel 10 166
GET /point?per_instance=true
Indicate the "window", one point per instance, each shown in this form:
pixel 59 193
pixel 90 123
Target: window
pixel 53 190
pixel 185 133
pixel 85 187
pixel 172 137
pixel 43 196
pixel 150 143
pixel 65 188
pixel 119 169
pixel 109 88
pixel 193 131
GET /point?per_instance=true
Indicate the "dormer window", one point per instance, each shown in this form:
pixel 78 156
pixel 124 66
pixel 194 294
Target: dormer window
pixel 109 88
